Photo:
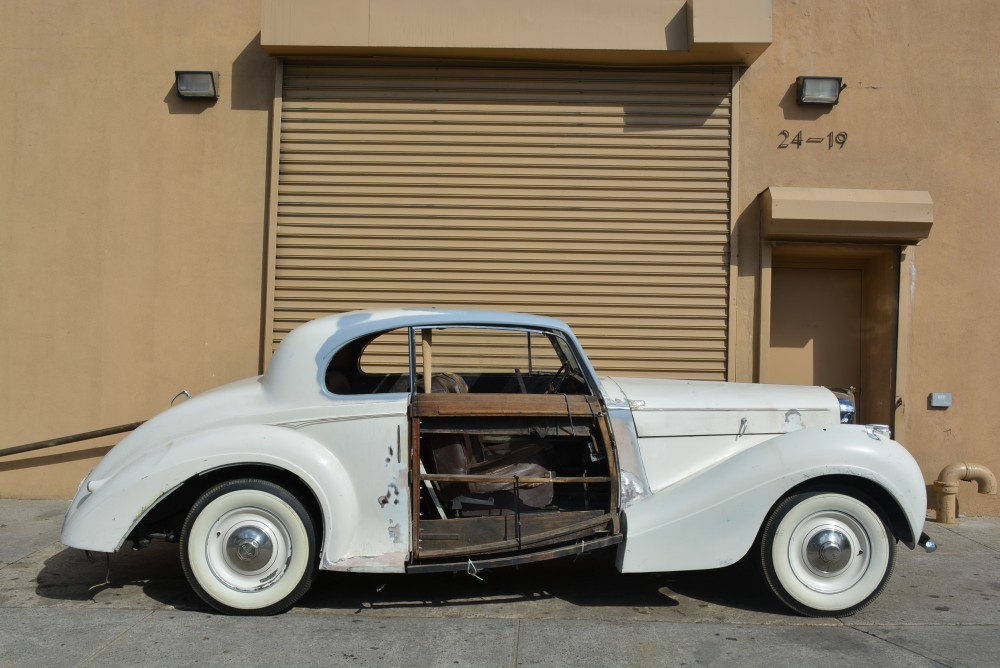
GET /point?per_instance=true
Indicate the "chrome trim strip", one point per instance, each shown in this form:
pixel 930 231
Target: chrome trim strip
pixel 298 424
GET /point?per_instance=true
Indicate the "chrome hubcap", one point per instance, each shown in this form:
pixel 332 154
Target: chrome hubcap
pixel 829 551
pixel 248 549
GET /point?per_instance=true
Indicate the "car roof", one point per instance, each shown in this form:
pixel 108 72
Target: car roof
pixel 308 348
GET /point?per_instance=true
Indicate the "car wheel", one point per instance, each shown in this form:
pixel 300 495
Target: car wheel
pixel 247 547
pixel 827 554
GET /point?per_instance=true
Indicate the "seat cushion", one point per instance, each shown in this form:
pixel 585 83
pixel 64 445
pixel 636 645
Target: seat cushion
pixel 534 495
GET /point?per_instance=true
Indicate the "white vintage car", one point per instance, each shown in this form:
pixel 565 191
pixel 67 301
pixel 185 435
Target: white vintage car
pixel 422 440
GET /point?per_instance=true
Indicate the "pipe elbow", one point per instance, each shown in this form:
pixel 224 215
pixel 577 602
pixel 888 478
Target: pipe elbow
pixel 948 479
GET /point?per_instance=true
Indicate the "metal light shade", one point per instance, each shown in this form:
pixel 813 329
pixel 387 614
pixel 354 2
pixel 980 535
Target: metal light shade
pixel 818 90
pixel 198 83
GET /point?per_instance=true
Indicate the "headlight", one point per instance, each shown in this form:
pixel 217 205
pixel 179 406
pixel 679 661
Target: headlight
pixel 846 400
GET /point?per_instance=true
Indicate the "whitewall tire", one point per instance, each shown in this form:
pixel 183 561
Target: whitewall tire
pixel 248 546
pixel 826 553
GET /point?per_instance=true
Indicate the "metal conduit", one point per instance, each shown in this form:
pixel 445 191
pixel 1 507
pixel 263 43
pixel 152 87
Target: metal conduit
pixel 74 438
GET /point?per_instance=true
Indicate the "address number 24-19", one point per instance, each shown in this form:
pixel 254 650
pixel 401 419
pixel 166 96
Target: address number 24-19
pixel 831 139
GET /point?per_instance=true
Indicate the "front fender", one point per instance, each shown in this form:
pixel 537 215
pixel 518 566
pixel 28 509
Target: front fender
pixel 711 519
pixel 106 510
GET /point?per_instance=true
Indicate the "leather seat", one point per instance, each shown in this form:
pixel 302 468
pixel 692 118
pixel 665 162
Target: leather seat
pixel 453 454
pixel 450 454
pixel 444 382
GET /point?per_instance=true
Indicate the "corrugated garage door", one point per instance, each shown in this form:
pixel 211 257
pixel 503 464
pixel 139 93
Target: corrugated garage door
pixel 600 196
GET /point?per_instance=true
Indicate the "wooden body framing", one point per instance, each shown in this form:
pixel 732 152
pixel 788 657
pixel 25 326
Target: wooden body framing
pixel 521 531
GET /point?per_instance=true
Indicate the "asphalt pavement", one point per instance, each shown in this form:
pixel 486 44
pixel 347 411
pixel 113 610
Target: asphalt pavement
pixel 57 608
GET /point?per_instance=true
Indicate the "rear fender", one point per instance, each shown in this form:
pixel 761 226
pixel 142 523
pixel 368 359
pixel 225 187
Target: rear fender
pixel 100 520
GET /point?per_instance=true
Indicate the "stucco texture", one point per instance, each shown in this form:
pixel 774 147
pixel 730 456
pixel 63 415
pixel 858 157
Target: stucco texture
pixel 920 110
pixel 131 223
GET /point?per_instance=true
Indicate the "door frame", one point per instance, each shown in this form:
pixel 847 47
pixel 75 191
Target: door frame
pixel 883 266
pixel 545 539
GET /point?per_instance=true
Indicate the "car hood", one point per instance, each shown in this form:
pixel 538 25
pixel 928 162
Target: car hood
pixel 699 408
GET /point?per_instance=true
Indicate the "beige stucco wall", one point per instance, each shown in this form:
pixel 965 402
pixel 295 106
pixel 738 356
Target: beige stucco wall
pixel 920 110
pixel 131 222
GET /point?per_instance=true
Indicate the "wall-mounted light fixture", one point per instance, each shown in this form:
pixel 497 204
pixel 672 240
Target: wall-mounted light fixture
pixel 202 84
pixel 818 90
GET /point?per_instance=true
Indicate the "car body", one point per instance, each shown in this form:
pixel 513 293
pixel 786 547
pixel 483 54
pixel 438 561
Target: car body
pixel 420 440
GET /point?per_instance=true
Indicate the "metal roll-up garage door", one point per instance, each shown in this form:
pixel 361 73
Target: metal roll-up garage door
pixel 600 196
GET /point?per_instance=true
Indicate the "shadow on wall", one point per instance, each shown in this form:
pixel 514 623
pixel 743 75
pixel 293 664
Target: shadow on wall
pixel 178 105
pixel 638 118
pixel 249 84
pixel 675 33
pixel 746 235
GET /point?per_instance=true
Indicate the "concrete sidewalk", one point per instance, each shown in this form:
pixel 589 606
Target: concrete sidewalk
pixel 57 609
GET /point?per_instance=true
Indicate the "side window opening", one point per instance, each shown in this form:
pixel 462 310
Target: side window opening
pixel 497 361
pixel 377 364
pixel 459 360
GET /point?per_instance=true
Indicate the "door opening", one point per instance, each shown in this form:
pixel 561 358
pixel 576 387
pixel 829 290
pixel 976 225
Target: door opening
pixel 832 320
pixel 511 451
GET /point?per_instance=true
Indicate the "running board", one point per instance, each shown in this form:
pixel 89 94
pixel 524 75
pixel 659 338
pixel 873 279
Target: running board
pixel 474 565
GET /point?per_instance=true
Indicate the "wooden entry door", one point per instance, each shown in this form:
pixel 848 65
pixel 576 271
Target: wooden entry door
pixel 834 322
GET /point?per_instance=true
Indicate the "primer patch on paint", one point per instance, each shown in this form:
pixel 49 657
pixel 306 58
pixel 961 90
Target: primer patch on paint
pixel 394 533
pixel 793 421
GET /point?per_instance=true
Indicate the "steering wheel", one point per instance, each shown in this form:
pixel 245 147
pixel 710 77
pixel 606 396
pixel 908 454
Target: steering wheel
pixel 561 376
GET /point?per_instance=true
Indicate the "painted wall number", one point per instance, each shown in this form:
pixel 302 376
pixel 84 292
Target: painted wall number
pixel 838 138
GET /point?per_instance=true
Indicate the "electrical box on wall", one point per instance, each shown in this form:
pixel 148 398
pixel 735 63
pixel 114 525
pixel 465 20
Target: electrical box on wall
pixel 939 400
